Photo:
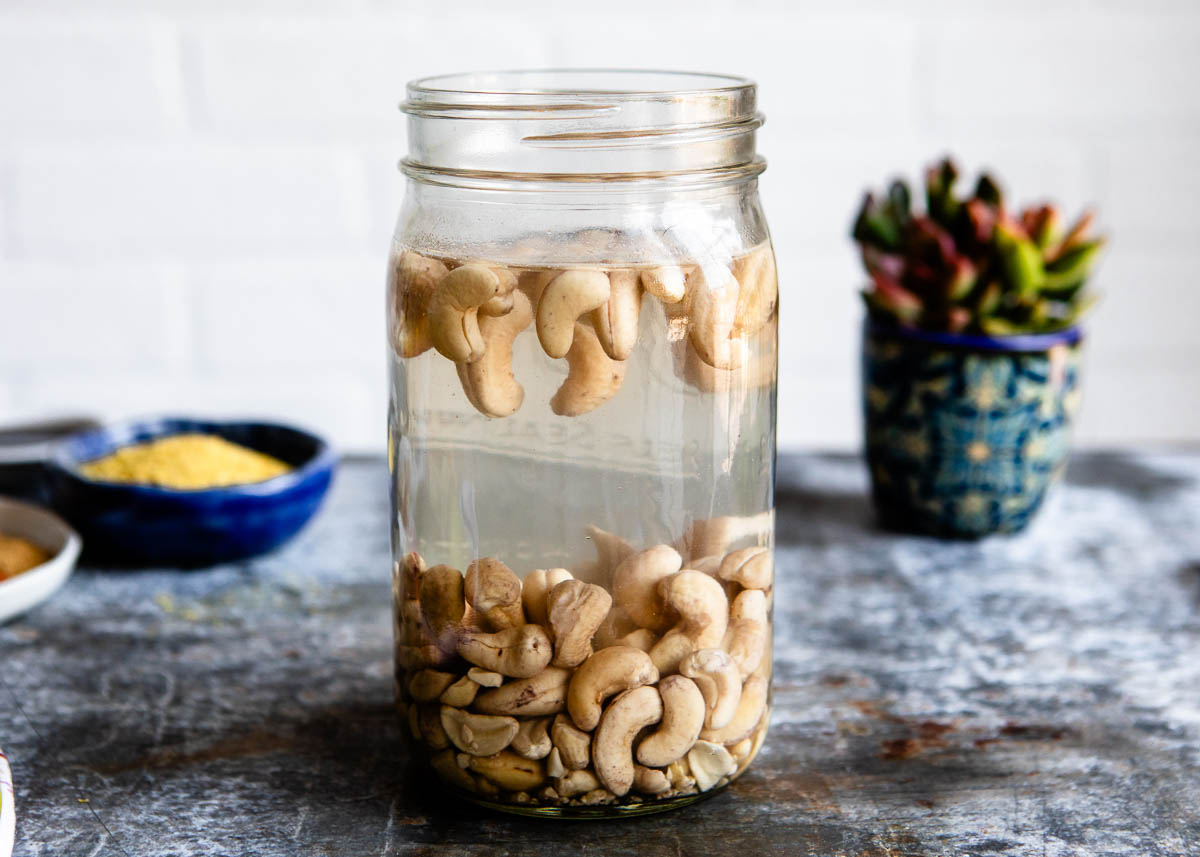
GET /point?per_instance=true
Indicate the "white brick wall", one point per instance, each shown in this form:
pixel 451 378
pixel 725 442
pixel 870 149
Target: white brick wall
pixel 196 195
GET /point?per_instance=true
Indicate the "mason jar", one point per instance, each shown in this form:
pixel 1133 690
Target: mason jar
pixel 582 315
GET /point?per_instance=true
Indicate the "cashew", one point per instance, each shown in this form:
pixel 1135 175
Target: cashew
pixel 708 763
pixel 460 694
pixel 717 676
pixel 682 720
pixel 635 585
pixel 509 771
pixel 715 536
pixel 759 290
pixel 488 381
pixel 642 638
pixel 573 783
pixel 616 321
pixel 536 587
pixel 414 722
pixel 746 640
pixel 485 678
pixel 572 744
pixel 483 785
pixel 554 764
pixel 611 549
pixel 453 312
pixel 442 604
pixel 576 611
pixel 427 685
pixel 741 750
pixel 592 377
pixel 429 724
pixel 565 299
pixel 713 310
pixel 608 671
pixel 704 615
pixel 679 775
pixel 502 303
pixel 707 564
pixel 749 711
pixel 419 657
pixel 615 627
pixel 518 652
pixel 750 568
pixel 597 796
pixel 537 696
pixel 416 279
pixel 612 748
pixel 446 766
pixel 666 283
pixel 650 781
pixel 478 734
pixel 533 738
pixel 493 590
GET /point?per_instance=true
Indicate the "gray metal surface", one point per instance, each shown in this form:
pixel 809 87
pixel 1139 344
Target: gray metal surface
pixel 1036 695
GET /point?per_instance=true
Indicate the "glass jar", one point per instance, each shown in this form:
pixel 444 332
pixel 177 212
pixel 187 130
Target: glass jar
pixel 582 314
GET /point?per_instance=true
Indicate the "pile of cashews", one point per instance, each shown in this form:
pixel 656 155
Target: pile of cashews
pixel 471 312
pixel 642 677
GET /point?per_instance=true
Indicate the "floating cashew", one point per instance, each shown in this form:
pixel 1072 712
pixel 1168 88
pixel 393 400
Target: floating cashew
pixel 665 283
pixel 682 720
pixel 749 712
pixel 554 764
pixel 635 585
pixel 453 312
pixel 713 313
pixel 428 685
pixel 460 694
pixel 612 748
pixel 488 382
pixel 572 744
pixel 478 734
pixel 442 604
pixel 485 678
pixel 649 781
pixel 576 610
pixel 536 587
pixel 509 771
pixel 704 615
pixel 715 536
pixel 616 322
pixel 750 568
pixel 746 640
pixel 533 738
pixel 608 671
pixel 518 652
pixel 502 303
pixel 611 549
pixel 708 763
pixel 573 783
pixel 492 589
pixel 759 292
pixel 417 278
pixel 717 676
pixel 537 696
pixel 592 376
pixel 565 299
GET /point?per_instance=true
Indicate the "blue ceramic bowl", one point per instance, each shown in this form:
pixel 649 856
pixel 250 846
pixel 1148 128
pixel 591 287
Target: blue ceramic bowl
pixel 148 525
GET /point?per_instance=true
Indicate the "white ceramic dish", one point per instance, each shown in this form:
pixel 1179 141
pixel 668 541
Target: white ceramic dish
pixel 24 591
pixel 8 810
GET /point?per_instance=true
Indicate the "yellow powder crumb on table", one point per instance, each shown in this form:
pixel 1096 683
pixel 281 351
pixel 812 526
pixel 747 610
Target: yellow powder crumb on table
pixel 185 462
pixel 17 556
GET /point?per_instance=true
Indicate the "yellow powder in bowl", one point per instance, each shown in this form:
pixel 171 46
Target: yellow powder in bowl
pixel 185 462
pixel 17 556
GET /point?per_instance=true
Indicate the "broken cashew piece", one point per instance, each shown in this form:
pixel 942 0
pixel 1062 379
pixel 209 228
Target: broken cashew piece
pixel 460 694
pixel 573 744
pixel 649 781
pixel 592 376
pixel 519 652
pixel 478 734
pixel 572 783
pixel 536 587
pixel 492 589
pixel 454 309
pixel 616 322
pixel 536 696
pixel 576 610
pixel 488 382
pixel 608 671
pixel 750 568
pixel 682 720
pixel 562 302
pixel 704 615
pixel 612 748
pixel 709 763
pixel 428 685
pixel 666 283
pixel 485 678
pixel 532 740
pixel 635 585
pixel 717 676
pixel 746 640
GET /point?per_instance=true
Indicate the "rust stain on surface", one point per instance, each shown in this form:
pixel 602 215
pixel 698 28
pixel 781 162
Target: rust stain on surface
pixel 238 747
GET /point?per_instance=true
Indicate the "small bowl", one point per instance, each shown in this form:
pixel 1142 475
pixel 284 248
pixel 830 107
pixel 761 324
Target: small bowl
pixel 48 531
pixel 134 524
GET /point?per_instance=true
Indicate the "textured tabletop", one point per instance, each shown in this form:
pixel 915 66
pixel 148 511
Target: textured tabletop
pixel 1035 695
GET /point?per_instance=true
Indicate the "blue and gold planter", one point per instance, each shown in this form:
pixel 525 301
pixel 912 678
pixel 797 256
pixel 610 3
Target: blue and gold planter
pixel 965 434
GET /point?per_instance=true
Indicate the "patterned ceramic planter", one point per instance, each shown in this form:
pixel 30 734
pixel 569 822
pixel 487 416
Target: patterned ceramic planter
pixel 964 434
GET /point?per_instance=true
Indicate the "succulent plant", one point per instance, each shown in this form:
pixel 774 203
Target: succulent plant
pixel 969 265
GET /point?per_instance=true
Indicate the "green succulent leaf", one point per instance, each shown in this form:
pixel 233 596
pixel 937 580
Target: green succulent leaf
pixel 876 225
pixel 988 190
